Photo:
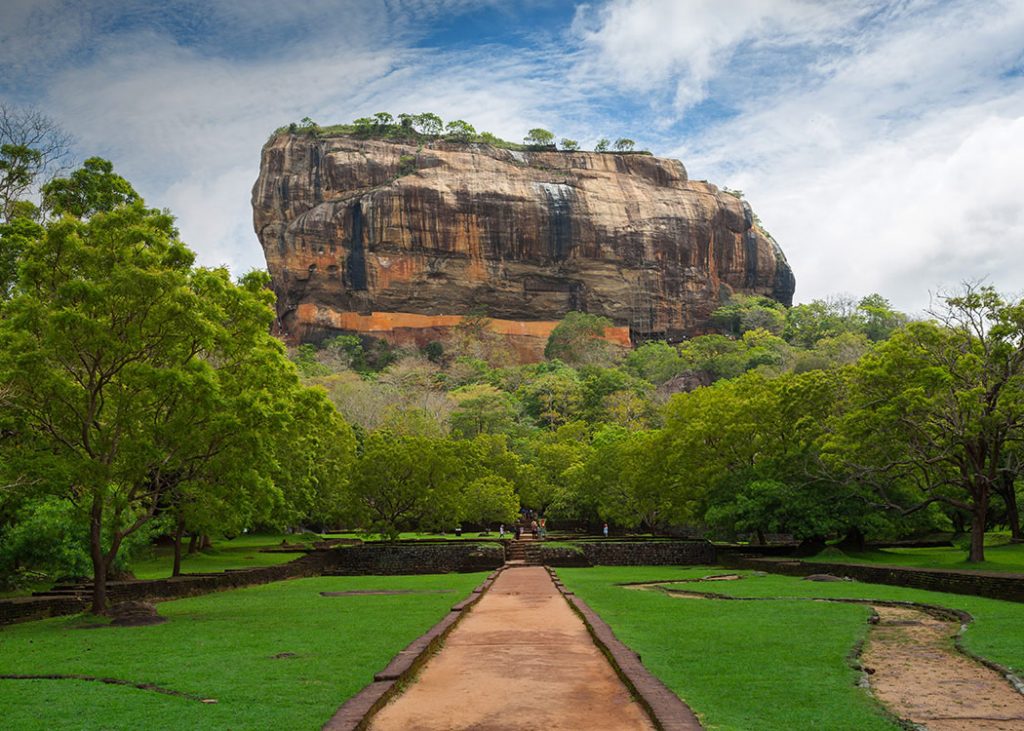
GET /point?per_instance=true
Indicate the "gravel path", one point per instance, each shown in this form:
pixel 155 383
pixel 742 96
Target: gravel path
pixel 521 659
pixel 919 674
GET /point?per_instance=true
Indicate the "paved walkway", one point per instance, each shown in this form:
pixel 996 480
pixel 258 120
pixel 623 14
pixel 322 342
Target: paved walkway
pixel 521 659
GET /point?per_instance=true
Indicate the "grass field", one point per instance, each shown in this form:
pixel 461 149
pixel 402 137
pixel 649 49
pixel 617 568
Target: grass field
pixel 242 552
pixel 222 646
pixel 773 665
pixel 1000 555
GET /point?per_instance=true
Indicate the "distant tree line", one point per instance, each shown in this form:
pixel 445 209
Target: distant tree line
pixel 428 126
pixel 832 419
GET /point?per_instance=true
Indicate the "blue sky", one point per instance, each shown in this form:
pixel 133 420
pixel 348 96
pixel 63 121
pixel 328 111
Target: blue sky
pixel 882 143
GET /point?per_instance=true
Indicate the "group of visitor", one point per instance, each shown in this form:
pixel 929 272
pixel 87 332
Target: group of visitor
pixel 538 527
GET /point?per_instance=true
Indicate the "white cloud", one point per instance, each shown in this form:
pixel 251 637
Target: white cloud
pixel 890 167
pixel 907 216
pixel 641 45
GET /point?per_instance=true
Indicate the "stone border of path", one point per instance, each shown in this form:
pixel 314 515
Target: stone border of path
pixel 356 712
pixel 665 708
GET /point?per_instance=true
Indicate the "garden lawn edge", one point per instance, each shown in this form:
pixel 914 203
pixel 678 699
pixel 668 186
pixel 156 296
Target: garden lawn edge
pixel 356 713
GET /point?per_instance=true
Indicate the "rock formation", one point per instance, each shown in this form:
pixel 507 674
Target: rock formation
pixel 400 240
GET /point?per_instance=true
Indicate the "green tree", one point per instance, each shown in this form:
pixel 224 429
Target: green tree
pixel 655 361
pixel 429 124
pixel 742 313
pixel 33 148
pixel 602 145
pixel 18 167
pixel 305 359
pixel 93 188
pixel 748 450
pixel 490 499
pixel 879 319
pixel 104 329
pixel 539 137
pixel 579 339
pixel 548 458
pixel 624 144
pixel 131 376
pixel 482 409
pixel 403 482
pixel 716 355
pixel 383 122
pixel 364 126
pixel 934 409
pixel 628 482
pixel 569 145
pixel 553 398
pixel 16 235
pixel 460 131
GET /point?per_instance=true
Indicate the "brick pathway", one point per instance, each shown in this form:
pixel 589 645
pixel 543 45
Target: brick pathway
pixel 521 659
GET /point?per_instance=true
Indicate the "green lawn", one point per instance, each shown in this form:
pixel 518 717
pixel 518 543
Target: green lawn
pixel 1000 555
pixel 774 664
pixel 242 552
pixel 222 646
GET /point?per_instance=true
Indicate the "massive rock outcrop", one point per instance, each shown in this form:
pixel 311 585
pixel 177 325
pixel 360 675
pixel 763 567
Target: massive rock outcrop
pixel 400 240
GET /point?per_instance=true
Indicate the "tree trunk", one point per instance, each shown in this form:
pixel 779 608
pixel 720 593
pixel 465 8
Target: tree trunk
pixel 854 540
pixel 760 537
pixel 99 563
pixel 193 544
pixel 178 533
pixel 204 542
pixel 810 546
pixel 978 520
pixel 1013 515
pixel 1007 491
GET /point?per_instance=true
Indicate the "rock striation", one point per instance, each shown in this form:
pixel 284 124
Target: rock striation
pixel 400 240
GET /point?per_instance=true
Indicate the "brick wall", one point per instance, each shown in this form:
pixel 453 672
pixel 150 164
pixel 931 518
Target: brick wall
pixel 981 583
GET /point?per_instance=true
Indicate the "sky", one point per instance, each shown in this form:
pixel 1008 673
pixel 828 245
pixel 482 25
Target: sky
pixel 880 142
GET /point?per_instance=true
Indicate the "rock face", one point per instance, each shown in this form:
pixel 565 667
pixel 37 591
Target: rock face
pixel 400 240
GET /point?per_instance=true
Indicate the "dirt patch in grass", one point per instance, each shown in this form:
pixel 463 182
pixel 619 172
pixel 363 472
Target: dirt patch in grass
pixel 915 669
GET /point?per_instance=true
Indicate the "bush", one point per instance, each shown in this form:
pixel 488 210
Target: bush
pixel 406 164
pixel 51 537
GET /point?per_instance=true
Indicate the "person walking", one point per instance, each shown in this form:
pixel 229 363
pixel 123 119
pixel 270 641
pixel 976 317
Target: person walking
pixel 501 531
pixel 605 530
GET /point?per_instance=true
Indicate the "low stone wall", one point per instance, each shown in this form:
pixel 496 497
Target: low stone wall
pixel 989 584
pixel 25 608
pixel 562 557
pixel 20 609
pixel 414 558
pixel 648 553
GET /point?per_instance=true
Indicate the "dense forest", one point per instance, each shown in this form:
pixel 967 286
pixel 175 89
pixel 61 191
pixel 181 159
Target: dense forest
pixel 144 396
